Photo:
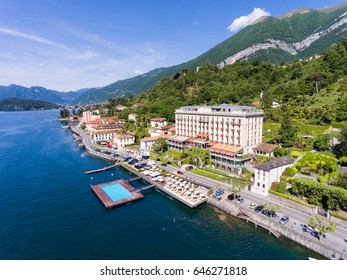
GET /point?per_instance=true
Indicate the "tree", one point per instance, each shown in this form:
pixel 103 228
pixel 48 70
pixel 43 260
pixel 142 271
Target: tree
pixel 159 145
pixel 280 152
pixel 317 79
pixel 318 223
pixel 287 132
pixel 64 113
pixel 322 142
pixel 343 89
pixel 341 180
pixel 342 150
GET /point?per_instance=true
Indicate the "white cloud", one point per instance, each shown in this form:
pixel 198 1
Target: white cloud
pixel 31 37
pixel 243 21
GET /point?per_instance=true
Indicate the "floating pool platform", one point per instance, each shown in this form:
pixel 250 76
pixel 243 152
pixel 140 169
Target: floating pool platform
pixel 116 193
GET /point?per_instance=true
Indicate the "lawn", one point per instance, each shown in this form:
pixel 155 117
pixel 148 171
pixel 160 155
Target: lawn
pixel 270 130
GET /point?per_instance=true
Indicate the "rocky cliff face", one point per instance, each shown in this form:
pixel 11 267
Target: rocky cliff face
pixel 339 25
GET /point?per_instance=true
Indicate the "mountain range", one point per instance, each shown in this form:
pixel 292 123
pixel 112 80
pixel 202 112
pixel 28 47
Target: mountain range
pixel 299 34
pixel 40 93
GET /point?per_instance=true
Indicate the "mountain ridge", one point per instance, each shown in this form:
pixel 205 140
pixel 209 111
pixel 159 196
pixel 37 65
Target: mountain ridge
pixel 39 93
pixel 298 34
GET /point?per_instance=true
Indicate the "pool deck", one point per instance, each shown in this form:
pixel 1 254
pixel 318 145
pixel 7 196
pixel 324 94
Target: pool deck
pixel 108 203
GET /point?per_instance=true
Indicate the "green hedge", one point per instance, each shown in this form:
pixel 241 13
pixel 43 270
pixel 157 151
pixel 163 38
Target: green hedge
pixel 330 197
pixel 338 215
pixel 208 175
pixel 289 197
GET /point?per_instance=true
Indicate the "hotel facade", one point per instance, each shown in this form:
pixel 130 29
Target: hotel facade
pixel 224 124
pixel 229 132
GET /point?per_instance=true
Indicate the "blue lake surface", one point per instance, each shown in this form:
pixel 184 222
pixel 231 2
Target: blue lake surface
pixel 48 211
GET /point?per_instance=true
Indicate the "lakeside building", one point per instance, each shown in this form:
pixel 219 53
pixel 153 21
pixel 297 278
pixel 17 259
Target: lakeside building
pixel 88 116
pixel 147 142
pixel 122 140
pixel 228 158
pixel 162 130
pixel 101 136
pixel 114 126
pixel 229 132
pixel 240 126
pixel 265 149
pixel 91 125
pixel 158 122
pixel 269 172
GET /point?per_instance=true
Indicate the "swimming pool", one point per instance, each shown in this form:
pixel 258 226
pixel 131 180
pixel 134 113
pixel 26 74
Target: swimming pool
pixel 116 191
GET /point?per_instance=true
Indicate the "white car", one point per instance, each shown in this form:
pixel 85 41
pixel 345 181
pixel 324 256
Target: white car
pixel 151 162
pixel 252 206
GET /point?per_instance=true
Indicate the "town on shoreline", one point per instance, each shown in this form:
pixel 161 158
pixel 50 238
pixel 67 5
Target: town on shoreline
pixel 218 148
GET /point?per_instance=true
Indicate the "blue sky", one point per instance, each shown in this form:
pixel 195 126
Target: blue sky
pixel 72 44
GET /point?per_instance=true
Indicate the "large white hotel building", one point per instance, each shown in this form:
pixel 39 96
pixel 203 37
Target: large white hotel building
pixel 224 124
pixel 229 132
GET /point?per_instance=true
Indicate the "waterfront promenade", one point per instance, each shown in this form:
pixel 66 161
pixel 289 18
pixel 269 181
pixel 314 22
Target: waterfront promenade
pixel 334 243
pixel 334 246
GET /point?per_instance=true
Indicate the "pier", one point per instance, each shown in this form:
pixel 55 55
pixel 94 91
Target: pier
pixel 101 169
pixel 77 137
pixel 134 179
pixel 168 191
pixel 146 188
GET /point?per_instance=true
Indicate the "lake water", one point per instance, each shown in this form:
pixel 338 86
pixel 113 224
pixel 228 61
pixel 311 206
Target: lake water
pixel 48 211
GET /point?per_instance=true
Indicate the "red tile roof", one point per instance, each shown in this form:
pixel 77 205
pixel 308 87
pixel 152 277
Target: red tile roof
pixel 158 119
pixel 225 149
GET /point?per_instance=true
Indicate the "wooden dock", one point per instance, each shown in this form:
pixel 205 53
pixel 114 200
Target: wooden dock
pixel 134 179
pixel 108 203
pixel 101 169
pixel 146 188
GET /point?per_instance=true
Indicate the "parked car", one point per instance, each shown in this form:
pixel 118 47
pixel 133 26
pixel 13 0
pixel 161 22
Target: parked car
pixel 145 157
pixel 258 208
pixel 252 206
pixel 239 200
pixel 231 196
pixel 218 193
pixel 220 190
pixel 284 220
pixel 163 164
pixel 179 172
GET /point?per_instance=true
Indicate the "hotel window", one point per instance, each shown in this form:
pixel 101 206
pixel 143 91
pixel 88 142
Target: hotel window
pixel 258 184
pixel 263 186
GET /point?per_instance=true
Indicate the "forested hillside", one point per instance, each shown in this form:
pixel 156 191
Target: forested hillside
pixel 312 90
pixel 15 104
